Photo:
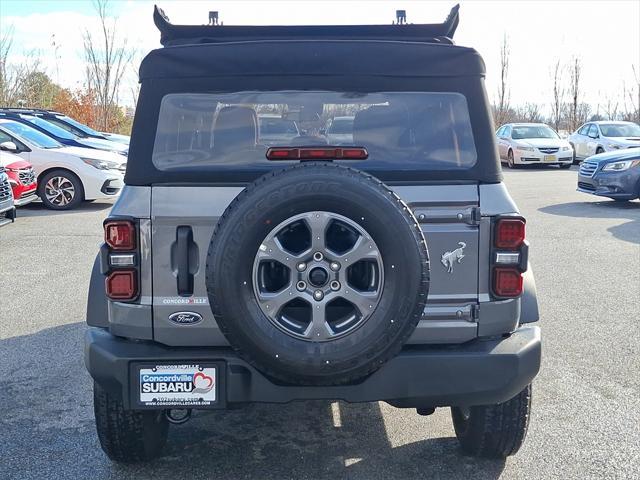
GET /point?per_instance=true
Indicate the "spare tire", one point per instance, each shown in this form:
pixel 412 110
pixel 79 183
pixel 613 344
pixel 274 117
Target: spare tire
pixel 317 274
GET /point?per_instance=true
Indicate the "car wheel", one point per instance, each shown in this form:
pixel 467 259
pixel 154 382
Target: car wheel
pixel 60 190
pixel 510 160
pixel 128 435
pixel 317 274
pixel 599 150
pixel 493 431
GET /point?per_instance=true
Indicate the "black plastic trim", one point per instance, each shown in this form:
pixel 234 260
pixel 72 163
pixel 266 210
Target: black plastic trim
pixel 476 373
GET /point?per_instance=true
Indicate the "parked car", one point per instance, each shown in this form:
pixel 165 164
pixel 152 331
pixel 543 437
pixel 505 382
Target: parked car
pixel 275 130
pixel 22 178
pixel 612 174
pixel 312 281
pixel 63 121
pixel 593 138
pixel 64 136
pixel 532 144
pixel 339 130
pixel 7 208
pixel 116 137
pixel 66 175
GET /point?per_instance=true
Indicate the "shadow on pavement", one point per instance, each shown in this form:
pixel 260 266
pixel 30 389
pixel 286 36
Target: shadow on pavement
pixel 37 209
pixel 47 430
pixel 629 232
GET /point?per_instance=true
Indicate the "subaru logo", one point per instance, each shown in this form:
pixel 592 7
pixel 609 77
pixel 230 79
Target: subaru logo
pixel 185 318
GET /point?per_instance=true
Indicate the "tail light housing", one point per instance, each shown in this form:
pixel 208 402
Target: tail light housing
pixel 120 234
pixel 119 258
pixel 510 252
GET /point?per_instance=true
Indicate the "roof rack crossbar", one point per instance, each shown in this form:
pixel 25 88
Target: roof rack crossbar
pixel 171 35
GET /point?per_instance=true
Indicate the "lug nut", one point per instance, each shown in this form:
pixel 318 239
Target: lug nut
pixel 335 266
pixel 318 256
pixel 318 295
pixel 335 285
pixel 301 267
pixel 301 286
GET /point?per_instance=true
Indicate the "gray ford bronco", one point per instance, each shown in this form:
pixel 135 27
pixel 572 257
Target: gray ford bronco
pixel 388 265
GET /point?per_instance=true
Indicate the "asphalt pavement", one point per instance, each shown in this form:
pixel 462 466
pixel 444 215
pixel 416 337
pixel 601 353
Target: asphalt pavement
pixel 585 422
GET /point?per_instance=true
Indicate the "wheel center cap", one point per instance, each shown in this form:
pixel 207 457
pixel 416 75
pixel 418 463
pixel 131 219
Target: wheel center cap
pixel 318 277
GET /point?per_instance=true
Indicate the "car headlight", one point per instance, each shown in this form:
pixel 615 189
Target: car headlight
pixel 565 149
pixel 101 164
pixel 620 166
pixel 525 149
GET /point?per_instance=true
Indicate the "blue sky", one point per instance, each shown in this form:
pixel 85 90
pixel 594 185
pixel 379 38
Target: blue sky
pixel 604 34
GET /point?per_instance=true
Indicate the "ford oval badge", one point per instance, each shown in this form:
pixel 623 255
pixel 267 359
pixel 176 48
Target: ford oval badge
pixel 185 318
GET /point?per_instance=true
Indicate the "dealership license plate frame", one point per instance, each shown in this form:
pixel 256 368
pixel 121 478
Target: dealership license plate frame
pixel 219 385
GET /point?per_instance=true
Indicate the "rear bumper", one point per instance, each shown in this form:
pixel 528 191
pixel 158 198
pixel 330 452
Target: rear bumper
pixel 475 373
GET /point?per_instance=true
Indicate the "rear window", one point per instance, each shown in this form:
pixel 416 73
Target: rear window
pixel 401 130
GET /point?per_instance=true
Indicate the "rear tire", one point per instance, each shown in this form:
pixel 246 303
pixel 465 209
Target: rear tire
pixel 128 436
pixel 493 431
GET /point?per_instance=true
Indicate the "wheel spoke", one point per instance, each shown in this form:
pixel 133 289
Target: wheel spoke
pixel 273 302
pixel 272 249
pixel 317 223
pixel 364 248
pixel 363 301
pixel 318 330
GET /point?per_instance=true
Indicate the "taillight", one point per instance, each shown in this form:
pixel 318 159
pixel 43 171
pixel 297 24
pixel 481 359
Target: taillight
pixel 509 233
pixel 509 257
pixel 120 234
pixel 507 282
pixel 122 285
pixel 121 267
pixel 317 153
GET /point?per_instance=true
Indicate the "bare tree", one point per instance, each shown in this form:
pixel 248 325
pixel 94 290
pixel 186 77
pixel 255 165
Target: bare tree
pixel 631 100
pixel 530 112
pixel 107 56
pixel 575 93
pixel 610 107
pixel 502 106
pixel 557 104
pixel 8 84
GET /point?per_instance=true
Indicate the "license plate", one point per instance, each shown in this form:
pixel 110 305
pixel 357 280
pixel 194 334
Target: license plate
pixel 550 158
pixel 188 385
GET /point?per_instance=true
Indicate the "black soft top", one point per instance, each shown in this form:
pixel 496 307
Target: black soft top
pixel 365 59
pixel 313 57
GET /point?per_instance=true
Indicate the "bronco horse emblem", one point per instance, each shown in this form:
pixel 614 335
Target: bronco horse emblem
pixel 448 258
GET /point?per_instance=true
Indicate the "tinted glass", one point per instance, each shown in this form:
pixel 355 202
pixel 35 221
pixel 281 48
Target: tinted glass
pixel 50 127
pixel 620 129
pixel 80 126
pixel 401 130
pixel 31 135
pixel 341 125
pixel 533 131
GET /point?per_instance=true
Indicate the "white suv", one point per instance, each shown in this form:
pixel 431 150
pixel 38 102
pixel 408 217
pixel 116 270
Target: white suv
pixel 66 175
pixel 604 136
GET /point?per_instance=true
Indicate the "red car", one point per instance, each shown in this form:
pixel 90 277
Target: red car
pixel 22 178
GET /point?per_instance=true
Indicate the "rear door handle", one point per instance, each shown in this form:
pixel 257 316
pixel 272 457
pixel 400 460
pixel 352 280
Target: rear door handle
pixel 184 241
